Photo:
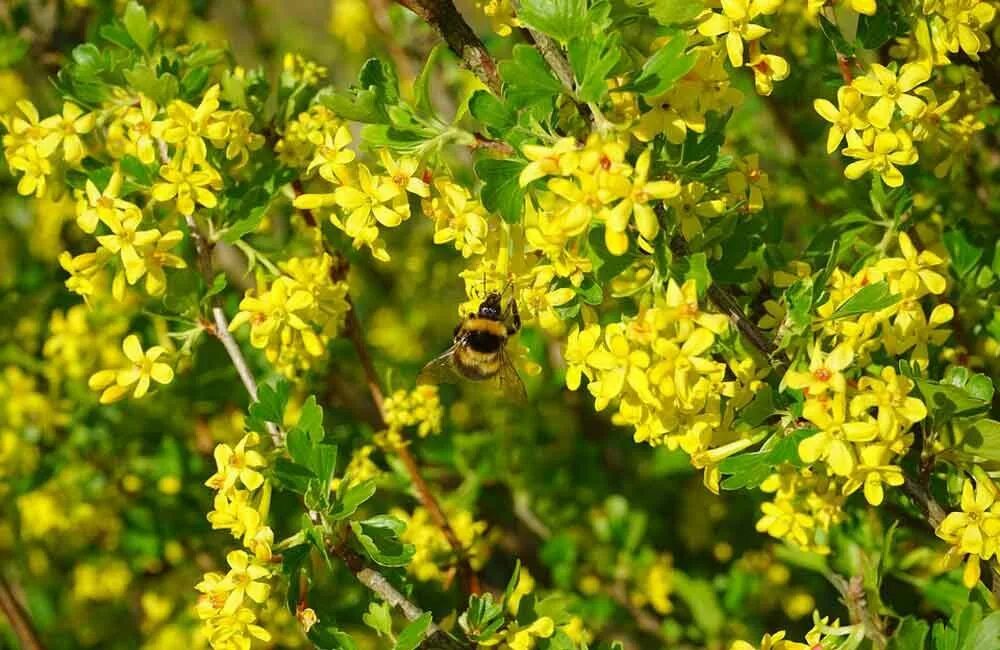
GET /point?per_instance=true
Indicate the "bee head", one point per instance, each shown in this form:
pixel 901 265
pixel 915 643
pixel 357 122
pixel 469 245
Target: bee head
pixel 491 308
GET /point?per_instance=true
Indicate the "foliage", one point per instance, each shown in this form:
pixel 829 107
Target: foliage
pixel 752 244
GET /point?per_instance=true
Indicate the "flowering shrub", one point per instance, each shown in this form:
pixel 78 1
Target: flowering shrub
pixel 753 245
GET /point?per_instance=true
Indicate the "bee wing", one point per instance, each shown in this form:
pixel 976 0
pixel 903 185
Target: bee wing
pixel 441 370
pixel 508 382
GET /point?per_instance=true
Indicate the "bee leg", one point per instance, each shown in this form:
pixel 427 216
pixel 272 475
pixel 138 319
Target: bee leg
pixel 515 318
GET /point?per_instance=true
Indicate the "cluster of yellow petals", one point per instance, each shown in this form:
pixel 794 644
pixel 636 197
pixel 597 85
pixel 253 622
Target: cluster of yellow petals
pixel 242 498
pixel 863 414
pixel 295 317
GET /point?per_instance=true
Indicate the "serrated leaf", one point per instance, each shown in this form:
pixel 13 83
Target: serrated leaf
pixel 527 77
pixel 592 59
pixel 379 618
pixel 664 68
pixel 292 476
pixel 501 190
pixel 491 111
pixel 379 537
pixel 139 27
pixel 872 298
pixel 311 420
pixel 352 498
pixel 422 85
pixel 964 255
pixel 560 19
pixel 413 634
pixel 945 400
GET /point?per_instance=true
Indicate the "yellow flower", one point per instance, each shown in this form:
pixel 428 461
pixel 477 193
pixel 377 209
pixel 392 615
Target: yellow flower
pixel 636 202
pixel 767 68
pixel 34 167
pixel 333 156
pixel 142 129
pixel 244 580
pixel 893 91
pixel 910 273
pixel 690 207
pixel 880 156
pixel 832 443
pixel 825 371
pixel 847 117
pixel 369 200
pixel 237 464
pixel 234 513
pixel 874 469
pixel 458 218
pixel 145 368
pixel 67 129
pixel 403 172
pixel 579 345
pixel 561 159
pixel 231 130
pixel 186 187
pixel 98 205
pixel 186 125
pixel 890 397
pixel 125 241
pixel 734 22
pixel 158 257
pixel 975 531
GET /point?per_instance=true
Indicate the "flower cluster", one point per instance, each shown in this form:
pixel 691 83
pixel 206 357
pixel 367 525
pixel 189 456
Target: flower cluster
pixel 142 368
pixel 295 317
pixel 241 504
pixel 732 29
pixel 974 533
pixel 433 559
pixel 361 200
pixel 420 408
pixel 861 414
pixel 659 368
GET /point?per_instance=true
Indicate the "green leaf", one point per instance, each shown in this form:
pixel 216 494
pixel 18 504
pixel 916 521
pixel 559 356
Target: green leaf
pixel 292 476
pixel 413 634
pixel 701 602
pixel 671 12
pixel 379 537
pixel 946 400
pixel 695 267
pixel 159 88
pixel 560 19
pixel 982 438
pixel 888 22
pixel 379 618
pixel 592 59
pixel 311 420
pixel 606 266
pixel 760 408
pixel 874 297
pixel 964 256
pixel 329 637
pixel 139 27
pixel 292 561
pixel 422 85
pixel 832 32
pixel 664 68
pixel 270 405
pixel 138 172
pixel 590 291
pixel 502 192
pixel 243 227
pixel 12 49
pixel 750 470
pixel 527 77
pixel 352 498
pixel 491 111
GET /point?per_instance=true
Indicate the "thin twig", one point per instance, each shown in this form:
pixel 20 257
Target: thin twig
pixel 452 28
pixel 355 332
pixel 17 616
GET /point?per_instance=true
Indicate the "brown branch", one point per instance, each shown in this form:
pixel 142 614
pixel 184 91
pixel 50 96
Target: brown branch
pixel 18 617
pixel 355 332
pixel 452 28
pixel 727 304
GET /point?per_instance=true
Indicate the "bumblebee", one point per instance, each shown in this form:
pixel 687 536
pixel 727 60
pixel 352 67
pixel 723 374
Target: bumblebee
pixel 478 352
